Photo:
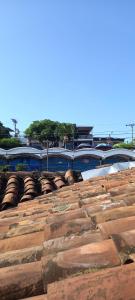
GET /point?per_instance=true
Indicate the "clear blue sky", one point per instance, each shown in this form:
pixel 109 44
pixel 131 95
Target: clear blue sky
pixel 68 60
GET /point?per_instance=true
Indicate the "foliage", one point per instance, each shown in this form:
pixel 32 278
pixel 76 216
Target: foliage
pixel 8 143
pixel 4 131
pixel 4 168
pixel 20 167
pixel 65 130
pixel 124 146
pixel 49 130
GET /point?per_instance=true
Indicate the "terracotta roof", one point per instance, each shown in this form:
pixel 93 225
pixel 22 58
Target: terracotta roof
pixel 16 188
pixel 74 242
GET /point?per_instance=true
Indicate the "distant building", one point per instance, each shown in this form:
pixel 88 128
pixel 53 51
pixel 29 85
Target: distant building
pixel 106 140
pixel 84 137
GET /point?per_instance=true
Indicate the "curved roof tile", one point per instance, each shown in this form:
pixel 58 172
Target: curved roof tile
pixel 52 247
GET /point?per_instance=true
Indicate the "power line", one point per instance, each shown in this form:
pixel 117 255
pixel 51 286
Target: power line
pixel 94 135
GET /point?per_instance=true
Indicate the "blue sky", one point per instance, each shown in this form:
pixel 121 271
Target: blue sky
pixel 68 60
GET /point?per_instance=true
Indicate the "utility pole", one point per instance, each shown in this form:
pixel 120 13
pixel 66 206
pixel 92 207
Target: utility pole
pixel 132 128
pixel 47 155
pixel 109 137
pixel 15 129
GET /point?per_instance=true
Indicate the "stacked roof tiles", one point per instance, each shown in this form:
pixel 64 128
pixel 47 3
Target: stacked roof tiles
pixel 18 188
pixel 75 242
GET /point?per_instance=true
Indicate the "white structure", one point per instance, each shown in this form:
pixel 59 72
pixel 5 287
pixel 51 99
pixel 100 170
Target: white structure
pixel 107 170
pixel 29 151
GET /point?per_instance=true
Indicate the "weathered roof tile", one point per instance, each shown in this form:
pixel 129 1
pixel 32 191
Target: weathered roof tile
pixel 66 236
pixel 114 284
pixel 117 226
pixel 74 261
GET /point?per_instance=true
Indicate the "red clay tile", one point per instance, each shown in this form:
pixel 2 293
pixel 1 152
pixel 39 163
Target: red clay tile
pixel 59 183
pixel 87 257
pixel 125 244
pixel 46 186
pixel 40 297
pixel 72 241
pixel 23 256
pixel 66 228
pixel 21 242
pixel 63 207
pixel 26 227
pixel 113 284
pixel 69 177
pixel 113 214
pixel 95 200
pixel 117 226
pixel 122 189
pixel 76 214
pixel 105 206
pixel 109 184
pixel 21 281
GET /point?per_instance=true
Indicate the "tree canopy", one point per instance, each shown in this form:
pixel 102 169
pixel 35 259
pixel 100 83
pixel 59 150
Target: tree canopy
pixel 124 146
pixel 50 130
pixel 8 143
pixel 4 131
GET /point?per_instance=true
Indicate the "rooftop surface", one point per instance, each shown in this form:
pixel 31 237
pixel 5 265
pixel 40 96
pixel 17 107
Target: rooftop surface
pixel 29 151
pixel 18 187
pixel 77 242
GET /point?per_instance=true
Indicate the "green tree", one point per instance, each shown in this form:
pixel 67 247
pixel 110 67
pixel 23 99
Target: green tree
pixel 65 130
pixel 20 167
pixel 124 146
pixel 8 143
pixel 4 131
pixel 49 130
